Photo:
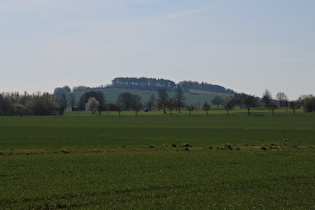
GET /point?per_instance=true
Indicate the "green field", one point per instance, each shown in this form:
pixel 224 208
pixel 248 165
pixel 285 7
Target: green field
pixel 84 161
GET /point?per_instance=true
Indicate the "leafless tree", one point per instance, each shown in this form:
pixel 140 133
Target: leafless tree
pixel 294 105
pixel 171 105
pixel 249 102
pixel 217 100
pixel 151 102
pixel 282 97
pixel 206 107
pixel 239 99
pixel 272 106
pixel 179 97
pixel 266 98
pixel 228 103
pixel 163 97
pixel 137 107
pixel 190 109
pixel 72 100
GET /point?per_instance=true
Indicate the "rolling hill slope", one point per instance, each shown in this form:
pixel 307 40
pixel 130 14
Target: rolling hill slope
pixel 193 96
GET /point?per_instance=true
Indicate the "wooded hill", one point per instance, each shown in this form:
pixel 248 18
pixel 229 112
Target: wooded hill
pixel 194 92
pixel 152 84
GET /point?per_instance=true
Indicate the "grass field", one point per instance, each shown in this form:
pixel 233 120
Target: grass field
pixel 84 161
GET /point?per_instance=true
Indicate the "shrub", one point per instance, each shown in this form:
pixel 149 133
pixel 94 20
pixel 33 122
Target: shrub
pixel 309 104
pixel 228 146
pixel 186 145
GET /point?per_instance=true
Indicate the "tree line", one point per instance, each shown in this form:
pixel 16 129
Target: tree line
pixel 95 101
pixel 35 104
pixel 128 101
pixel 186 85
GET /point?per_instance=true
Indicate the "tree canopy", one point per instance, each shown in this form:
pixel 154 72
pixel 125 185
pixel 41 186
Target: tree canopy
pixel 99 96
pixel 153 84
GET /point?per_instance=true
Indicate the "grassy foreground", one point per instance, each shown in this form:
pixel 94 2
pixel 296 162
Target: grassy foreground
pixel 80 162
pixel 150 179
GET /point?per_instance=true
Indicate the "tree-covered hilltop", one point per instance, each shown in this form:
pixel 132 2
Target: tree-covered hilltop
pixel 142 83
pixel 153 84
pixel 186 85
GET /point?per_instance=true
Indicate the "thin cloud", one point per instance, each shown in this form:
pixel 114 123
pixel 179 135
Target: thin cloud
pixel 169 16
pixel 187 13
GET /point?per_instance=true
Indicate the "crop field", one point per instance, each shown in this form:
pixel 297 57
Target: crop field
pixel 155 161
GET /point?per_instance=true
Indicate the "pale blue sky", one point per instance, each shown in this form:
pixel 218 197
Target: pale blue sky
pixel 248 46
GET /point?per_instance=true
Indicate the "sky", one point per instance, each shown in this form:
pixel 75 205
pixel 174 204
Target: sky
pixel 248 46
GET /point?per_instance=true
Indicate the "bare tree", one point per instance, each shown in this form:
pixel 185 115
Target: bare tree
pixel 286 104
pixel 163 97
pixel 282 97
pixel 228 103
pixel 137 107
pixel 63 103
pixel 120 107
pixel 190 109
pixel 197 106
pixel 266 98
pixel 125 100
pixel 294 105
pixel 179 97
pixel 107 106
pixel 249 102
pixel 151 102
pixel 171 104
pixel 239 99
pixel 101 107
pixel 137 104
pixel 72 100
pixel 128 101
pixel 217 100
pixel 92 105
pixel 272 106
pixel 206 107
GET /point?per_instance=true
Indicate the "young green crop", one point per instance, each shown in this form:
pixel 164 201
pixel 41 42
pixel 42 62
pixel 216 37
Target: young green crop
pixel 132 162
pixel 89 132
pixel 143 178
